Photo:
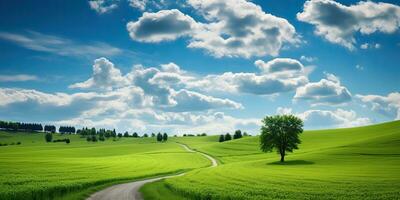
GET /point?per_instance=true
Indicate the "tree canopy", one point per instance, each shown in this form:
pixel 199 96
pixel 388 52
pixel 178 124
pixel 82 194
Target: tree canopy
pixel 280 132
pixel 238 134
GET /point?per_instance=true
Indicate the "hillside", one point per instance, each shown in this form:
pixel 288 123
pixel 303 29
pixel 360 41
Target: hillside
pixel 354 163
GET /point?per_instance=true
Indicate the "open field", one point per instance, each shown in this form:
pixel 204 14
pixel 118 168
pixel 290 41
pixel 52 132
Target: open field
pixel 39 170
pixel 355 163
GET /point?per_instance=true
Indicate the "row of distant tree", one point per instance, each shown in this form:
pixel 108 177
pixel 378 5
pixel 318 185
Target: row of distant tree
pixel 238 134
pixel 20 126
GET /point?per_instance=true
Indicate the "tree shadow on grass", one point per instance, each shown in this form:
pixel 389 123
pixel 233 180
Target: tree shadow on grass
pixel 292 162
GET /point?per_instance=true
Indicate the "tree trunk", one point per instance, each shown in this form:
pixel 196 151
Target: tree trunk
pixel 282 155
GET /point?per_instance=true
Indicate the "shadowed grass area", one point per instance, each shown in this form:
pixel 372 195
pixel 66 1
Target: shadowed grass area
pixel 292 162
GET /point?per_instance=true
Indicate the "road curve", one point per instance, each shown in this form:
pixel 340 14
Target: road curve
pixel 130 191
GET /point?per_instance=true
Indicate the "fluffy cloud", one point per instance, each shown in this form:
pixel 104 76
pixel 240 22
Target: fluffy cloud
pixel 280 65
pixel 18 103
pixel 325 92
pixel 103 6
pixel 105 75
pixel 161 26
pixel 387 105
pixel 240 28
pixel 337 118
pixel 17 78
pixel 338 23
pixel 188 100
pixel 322 119
pixel 162 87
pixel 276 76
pixel 58 45
pixel 236 28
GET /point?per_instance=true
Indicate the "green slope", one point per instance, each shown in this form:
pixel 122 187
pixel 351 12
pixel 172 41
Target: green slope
pixel 354 163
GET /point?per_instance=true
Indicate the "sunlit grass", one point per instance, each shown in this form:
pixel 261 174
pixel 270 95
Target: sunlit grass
pixel 357 163
pixel 39 170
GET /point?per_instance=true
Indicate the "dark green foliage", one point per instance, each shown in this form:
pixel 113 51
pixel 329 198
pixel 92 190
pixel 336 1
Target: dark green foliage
pixel 18 143
pixel 48 137
pixel 113 134
pixel 280 132
pixel 94 138
pixel 119 135
pixel 126 134
pixel 135 135
pixel 50 128
pixel 88 138
pixel 237 135
pixel 159 137
pixel 14 126
pixel 245 134
pixel 66 129
pixel 228 137
pixel 221 138
pixel 165 137
pixel 101 138
pixel 66 140
pixel 203 134
pixel 107 134
pixel 93 131
pixel 145 135
pixel 153 135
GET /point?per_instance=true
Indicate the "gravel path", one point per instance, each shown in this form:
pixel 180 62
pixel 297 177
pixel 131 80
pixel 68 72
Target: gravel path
pixel 130 191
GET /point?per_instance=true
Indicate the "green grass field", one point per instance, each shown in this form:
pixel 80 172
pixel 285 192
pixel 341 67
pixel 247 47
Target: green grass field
pixel 355 163
pixel 39 170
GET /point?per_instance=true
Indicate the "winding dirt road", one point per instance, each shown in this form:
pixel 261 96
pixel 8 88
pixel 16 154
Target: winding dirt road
pixel 130 191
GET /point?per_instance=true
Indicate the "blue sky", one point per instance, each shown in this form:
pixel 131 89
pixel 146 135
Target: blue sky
pixel 199 66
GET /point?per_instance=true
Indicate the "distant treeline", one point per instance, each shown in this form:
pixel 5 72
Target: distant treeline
pixel 238 134
pixel 18 126
pixel 66 129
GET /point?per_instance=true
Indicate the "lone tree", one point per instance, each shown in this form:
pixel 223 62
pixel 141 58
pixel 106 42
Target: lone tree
pixel 165 137
pixel 280 132
pixel 221 138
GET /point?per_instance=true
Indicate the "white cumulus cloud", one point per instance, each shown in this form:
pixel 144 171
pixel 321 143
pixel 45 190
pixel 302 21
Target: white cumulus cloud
pixel 387 105
pixel 327 91
pixel 339 23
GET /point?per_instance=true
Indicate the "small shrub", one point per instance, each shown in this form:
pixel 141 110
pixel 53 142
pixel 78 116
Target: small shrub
pixel 67 141
pixel 48 137
pixel 88 139
pixel 18 143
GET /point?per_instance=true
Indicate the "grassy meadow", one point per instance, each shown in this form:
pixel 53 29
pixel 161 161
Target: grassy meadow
pixel 354 163
pixel 39 170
